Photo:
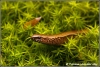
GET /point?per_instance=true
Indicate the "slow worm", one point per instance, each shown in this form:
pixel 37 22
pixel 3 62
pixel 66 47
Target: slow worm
pixel 57 39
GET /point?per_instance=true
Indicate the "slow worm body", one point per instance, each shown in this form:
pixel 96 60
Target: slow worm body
pixel 57 39
pixel 32 22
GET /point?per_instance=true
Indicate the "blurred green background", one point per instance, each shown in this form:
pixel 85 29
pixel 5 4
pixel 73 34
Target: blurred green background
pixel 57 17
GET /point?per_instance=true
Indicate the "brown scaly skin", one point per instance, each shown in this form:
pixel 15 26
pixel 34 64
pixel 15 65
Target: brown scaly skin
pixel 57 39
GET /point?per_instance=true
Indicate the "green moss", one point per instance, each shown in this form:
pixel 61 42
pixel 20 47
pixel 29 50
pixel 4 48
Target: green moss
pixel 60 16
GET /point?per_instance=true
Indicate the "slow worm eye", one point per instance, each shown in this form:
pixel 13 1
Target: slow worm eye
pixel 37 39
